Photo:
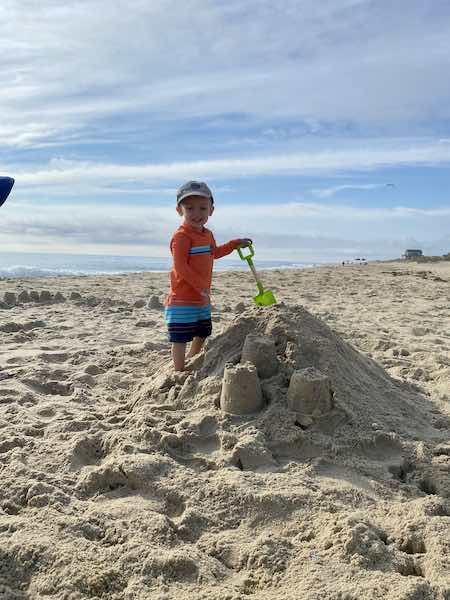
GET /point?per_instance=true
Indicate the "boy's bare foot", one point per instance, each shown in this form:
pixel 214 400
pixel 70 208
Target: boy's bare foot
pixel 195 362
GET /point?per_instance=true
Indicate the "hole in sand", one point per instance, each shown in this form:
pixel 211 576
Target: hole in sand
pixel 174 504
pixel 383 537
pixel 401 471
pixel 438 509
pixel 115 486
pixel 428 487
pixel 87 450
pixel 410 568
pixel 413 546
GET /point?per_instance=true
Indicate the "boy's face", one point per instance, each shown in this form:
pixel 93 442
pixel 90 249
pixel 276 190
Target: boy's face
pixel 195 211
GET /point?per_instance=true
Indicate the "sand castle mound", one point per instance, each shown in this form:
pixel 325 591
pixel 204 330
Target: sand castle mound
pixel 284 378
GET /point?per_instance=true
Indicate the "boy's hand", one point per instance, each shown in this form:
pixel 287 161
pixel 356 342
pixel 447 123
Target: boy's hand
pixel 244 243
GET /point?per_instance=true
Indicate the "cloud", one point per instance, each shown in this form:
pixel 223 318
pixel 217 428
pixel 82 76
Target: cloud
pixel 332 191
pixel 286 230
pixel 88 176
pixel 67 67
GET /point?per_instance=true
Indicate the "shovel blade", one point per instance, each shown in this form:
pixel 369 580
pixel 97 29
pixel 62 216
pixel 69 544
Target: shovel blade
pixel 265 299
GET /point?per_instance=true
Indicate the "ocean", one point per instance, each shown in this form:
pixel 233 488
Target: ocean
pixel 27 264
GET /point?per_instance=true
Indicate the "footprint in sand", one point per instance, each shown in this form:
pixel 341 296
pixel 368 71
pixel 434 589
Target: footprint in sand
pixel 24 331
pixel 10 327
pixel 87 450
pixel 30 325
pixel 53 357
pixel 134 472
pixel 47 412
pixel 8 395
pixel 52 388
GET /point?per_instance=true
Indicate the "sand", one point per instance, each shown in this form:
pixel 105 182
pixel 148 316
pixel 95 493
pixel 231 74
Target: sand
pixel 122 480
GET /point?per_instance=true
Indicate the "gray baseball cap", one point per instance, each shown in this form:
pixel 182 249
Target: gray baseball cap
pixel 194 188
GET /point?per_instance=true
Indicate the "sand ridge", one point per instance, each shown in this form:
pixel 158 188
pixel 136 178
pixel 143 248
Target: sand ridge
pixel 120 479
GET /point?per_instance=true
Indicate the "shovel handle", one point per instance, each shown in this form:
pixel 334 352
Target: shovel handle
pixel 255 275
pixel 248 256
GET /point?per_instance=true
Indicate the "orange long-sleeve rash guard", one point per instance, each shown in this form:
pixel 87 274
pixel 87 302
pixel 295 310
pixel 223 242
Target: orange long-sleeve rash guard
pixel 193 255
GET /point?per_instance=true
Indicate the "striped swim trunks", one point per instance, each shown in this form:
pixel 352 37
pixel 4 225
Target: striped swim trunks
pixel 187 322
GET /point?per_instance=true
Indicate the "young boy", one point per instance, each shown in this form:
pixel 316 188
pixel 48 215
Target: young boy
pixel 193 248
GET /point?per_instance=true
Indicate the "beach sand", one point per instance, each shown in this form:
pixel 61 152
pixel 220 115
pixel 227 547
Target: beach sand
pixel 122 480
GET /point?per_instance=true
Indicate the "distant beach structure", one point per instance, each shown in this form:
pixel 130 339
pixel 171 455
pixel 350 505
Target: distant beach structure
pixel 412 253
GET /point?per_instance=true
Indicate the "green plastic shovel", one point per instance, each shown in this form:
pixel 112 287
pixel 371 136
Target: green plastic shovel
pixel 265 297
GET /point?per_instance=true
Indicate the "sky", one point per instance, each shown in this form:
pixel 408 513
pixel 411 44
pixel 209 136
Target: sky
pixel 323 128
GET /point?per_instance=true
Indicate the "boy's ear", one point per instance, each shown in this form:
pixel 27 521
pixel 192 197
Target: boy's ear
pixel 211 210
pixel 179 210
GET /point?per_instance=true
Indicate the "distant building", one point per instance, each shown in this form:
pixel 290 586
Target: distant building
pixel 414 253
